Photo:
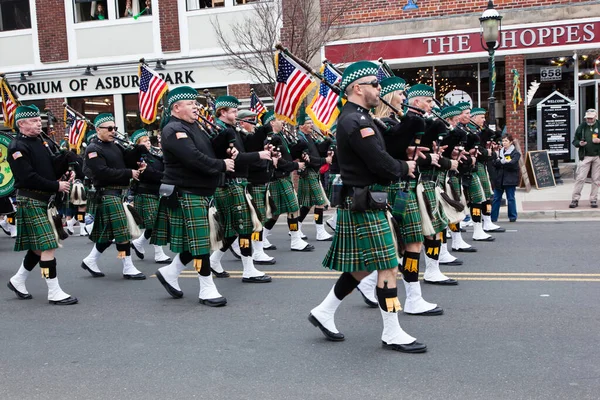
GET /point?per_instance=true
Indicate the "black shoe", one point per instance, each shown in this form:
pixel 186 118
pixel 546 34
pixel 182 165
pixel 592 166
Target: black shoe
pixel 452 263
pixel 308 247
pixel 20 295
pixel 65 302
pixel 223 274
pixel 594 204
pixel 70 231
pixel 218 302
pixel 370 303
pixel 176 294
pixel 137 252
pixel 325 240
pixel 447 282
pixel 136 277
pixel 414 347
pixel 574 204
pixel 94 273
pixel 271 247
pixel 488 239
pixel 430 313
pixel 236 255
pixel 334 337
pixel 465 250
pixel 167 261
pixel 271 262
pixel 258 279
pixel 497 230
pixel 512 220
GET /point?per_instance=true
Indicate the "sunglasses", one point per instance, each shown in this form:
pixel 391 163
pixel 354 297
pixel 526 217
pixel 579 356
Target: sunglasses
pixel 374 83
pixel 109 128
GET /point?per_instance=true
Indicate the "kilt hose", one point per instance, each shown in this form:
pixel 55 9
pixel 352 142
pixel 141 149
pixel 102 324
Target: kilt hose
pixel 409 219
pixel 310 191
pixel 473 191
pixel 110 221
pixel 186 228
pixel 284 197
pixel 234 213
pixel 258 192
pixel 362 241
pixel 34 231
pixel 484 179
pixel 147 206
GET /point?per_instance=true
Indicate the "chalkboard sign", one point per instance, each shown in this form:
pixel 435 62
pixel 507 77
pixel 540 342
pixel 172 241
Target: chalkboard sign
pixel 538 165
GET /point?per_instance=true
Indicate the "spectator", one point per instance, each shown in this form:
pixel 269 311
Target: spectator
pixel 100 14
pixel 507 178
pixel 149 7
pixel 587 141
pixel 128 10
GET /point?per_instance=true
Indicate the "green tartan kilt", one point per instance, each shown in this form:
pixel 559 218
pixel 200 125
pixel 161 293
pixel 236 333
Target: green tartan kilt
pixel 439 220
pixel 34 231
pixel 234 213
pixel 332 177
pixel 110 221
pixel 284 197
pixel 441 176
pixel 310 192
pixel 484 179
pixel 91 204
pixel 409 221
pixel 454 182
pixel 185 228
pixel 259 197
pixel 474 192
pixel 147 206
pixel 362 241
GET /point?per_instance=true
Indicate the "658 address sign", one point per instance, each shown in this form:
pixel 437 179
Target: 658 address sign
pixel 550 74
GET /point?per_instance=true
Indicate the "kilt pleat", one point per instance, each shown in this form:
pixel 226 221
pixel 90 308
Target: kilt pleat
pixel 474 191
pixel 259 196
pixel 309 190
pixel 91 205
pixel 409 221
pixel 110 221
pixel 284 197
pixel 234 213
pixel 34 231
pixel 185 228
pixel 147 206
pixel 484 179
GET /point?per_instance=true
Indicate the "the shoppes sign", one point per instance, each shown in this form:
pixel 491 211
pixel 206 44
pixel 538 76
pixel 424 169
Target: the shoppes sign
pixel 101 84
pixel 460 43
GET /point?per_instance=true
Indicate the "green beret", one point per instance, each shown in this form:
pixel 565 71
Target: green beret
pixel 91 134
pixel 243 114
pixel 227 102
pixel 357 70
pixel 135 136
pixel 181 93
pixel 302 117
pixel 24 112
pixel 267 117
pixel 392 84
pixel 450 111
pixel 477 111
pixel 436 110
pixel 464 105
pixel 102 118
pixel 420 90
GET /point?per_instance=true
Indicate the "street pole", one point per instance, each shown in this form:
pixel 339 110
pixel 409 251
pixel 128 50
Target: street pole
pixel 492 78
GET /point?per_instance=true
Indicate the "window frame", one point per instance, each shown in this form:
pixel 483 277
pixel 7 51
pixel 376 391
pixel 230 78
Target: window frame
pixel 113 17
pixel 24 31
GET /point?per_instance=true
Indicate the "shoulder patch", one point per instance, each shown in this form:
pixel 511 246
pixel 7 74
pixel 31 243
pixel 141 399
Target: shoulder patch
pixel 366 132
pixel 16 155
pixel 181 135
pixel 93 154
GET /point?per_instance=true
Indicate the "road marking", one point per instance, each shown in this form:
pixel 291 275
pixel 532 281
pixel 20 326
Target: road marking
pixel 337 273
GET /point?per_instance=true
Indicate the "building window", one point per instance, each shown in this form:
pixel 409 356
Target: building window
pixel 88 10
pixel 92 106
pixel 193 5
pixel 133 122
pixel 14 15
pixel 133 8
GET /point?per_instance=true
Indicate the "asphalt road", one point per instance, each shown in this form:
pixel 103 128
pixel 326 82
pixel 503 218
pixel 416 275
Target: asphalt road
pixel 523 324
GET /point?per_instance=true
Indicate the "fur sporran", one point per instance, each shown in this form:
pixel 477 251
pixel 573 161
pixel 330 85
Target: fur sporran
pixel 256 224
pixel 425 210
pixel 216 233
pixel 78 195
pixel 133 221
pixel 453 210
pixel 56 223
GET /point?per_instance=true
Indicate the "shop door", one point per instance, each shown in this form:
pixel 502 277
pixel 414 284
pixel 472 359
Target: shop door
pixel 588 96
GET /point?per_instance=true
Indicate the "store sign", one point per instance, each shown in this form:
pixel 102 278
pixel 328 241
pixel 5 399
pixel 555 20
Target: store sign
pixel 96 85
pixel 556 121
pixel 548 74
pixel 465 42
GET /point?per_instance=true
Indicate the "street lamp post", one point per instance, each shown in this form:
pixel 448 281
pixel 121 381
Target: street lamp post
pixel 491 25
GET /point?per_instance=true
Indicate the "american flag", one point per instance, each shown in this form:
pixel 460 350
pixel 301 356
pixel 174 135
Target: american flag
pixel 256 106
pixel 152 88
pixel 75 129
pixel 9 104
pixel 293 85
pixel 323 109
pixel 382 73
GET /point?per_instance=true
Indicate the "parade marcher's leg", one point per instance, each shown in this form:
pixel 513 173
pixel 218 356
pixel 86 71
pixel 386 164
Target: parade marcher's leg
pixel 488 225
pixel 297 243
pixel 235 249
pixel 445 257
pixel 366 288
pixel 217 256
pixel 90 263
pixel 511 203
pixel 129 270
pixel 322 234
pixel 415 304
pixel 331 222
pixel 250 273
pixel 393 336
pixel 458 244
pixel 267 232
pixel 139 243
pixel 169 275
pixel 209 295
pixel 478 234
pixel 17 282
pixel 159 255
pixel 322 316
pixel 258 254
pixel 433 274
pixel 300 218
pixel 70 225
pixel 48 269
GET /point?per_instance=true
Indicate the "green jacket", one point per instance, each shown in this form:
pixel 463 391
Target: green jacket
pixel 584 132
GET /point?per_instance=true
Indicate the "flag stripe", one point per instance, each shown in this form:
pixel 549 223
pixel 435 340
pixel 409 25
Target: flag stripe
pixel 152 88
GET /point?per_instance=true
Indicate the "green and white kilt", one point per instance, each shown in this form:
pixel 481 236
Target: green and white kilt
pixel 233 209
pixel 310 191
pixel 185 228
pixel 409 219
pixel 110 221
pixel 454 181
pixel 259 197
pixel 147 206
pixel 283 195
pixel 362 241
pixel 34 231
pixel 484 179
pixel 474 191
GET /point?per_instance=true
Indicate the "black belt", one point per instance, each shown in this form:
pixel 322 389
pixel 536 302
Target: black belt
pixel 110 192
pixel 40 196
pixel 428 177
pixel 233 181
pixel 147 189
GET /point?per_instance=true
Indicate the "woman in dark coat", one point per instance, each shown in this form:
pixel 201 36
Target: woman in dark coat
pixel 507 178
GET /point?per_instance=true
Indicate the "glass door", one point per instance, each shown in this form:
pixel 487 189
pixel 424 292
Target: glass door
pixel 588 96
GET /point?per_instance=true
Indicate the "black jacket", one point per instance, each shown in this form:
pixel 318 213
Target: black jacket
pixel 507 174
pixel 229 135
pixel 107 164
